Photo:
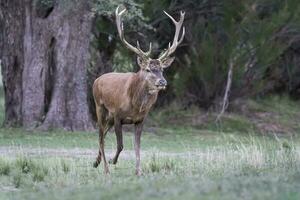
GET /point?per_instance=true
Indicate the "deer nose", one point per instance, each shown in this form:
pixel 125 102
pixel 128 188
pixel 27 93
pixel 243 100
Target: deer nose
pixel 162 82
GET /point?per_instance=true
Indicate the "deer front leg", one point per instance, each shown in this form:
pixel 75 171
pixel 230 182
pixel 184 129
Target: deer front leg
pixel 102 134
pixel 119 137
pixel 137 146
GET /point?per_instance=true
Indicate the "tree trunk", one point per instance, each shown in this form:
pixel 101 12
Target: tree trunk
pixel 12 58
pixel 44 60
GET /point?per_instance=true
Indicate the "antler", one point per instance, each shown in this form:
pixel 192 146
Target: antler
pixel 137 50
pixel 175 42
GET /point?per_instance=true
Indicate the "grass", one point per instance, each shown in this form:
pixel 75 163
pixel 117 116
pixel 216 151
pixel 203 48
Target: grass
pixel 261 168
pixel 184 156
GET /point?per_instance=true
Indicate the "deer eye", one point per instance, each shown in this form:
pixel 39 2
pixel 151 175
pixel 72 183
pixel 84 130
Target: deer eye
pixel 148 70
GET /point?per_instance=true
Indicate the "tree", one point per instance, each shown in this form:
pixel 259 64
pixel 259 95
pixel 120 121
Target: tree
pixel 44 53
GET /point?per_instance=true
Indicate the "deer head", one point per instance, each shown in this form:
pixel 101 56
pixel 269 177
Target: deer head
pixel 152 69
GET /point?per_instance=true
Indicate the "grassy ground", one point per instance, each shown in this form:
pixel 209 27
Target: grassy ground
pixel 192 159
pixel 231 167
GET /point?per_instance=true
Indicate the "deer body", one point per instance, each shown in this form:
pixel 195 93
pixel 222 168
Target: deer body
pixel 124 95
pixel 126 98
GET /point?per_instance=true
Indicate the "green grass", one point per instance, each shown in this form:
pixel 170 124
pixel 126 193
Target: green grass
pixel 163 139
pixel 260 168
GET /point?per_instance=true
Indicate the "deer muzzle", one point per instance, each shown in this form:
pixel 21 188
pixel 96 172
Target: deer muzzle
pixel 161 84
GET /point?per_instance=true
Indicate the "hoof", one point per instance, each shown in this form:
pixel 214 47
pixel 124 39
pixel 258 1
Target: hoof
pixel 111 161
pixel 95 164
pixel 138 173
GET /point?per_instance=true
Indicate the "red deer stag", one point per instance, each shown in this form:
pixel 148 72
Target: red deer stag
pixel 126 98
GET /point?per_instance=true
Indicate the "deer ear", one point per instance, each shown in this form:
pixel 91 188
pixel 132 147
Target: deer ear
pixel 142 62
pixel 167 62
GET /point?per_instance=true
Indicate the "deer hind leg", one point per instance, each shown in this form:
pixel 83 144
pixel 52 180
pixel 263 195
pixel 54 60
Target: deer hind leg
pixel 100 115
pixel 104 125
pixel 119 137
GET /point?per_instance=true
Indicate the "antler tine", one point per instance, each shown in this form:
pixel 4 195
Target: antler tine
pixel 139 48
pixel 120 28
pixel 182 36
pixel 150 49
pixel 176 42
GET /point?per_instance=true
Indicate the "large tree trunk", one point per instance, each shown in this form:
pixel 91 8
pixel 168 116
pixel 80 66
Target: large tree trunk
pixel 45 52
pixel 12 57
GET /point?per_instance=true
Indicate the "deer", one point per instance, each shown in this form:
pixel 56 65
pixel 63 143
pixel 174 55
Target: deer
pixel 126 98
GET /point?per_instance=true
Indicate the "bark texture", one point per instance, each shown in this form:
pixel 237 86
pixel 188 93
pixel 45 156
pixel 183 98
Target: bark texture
pixel 12 57
pixel 44 63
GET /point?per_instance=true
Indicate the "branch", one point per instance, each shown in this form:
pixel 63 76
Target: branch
pixel 227 91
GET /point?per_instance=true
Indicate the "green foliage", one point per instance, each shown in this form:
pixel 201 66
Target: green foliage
pixel 242 37
pixel 4 167
pixel 123 61
pixel 133 18
pixel 252 36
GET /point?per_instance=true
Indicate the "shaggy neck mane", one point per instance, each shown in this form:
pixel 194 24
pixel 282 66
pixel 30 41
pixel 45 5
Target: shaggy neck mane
pixel 140 94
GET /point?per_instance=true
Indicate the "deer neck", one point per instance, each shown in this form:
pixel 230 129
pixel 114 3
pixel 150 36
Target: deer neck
pixel 142 97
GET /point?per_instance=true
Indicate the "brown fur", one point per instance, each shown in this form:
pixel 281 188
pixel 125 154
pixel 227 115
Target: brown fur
pixel 124 95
